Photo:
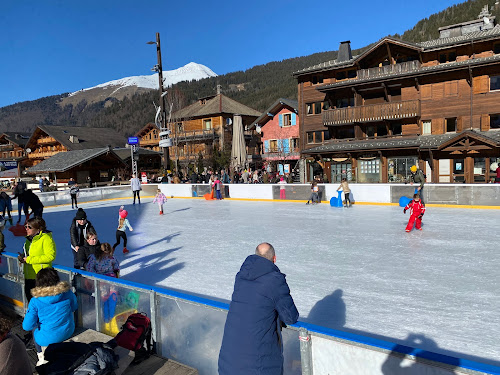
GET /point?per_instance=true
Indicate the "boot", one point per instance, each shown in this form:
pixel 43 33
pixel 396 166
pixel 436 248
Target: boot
pixel 41 357
pixel 125 250
pixel 161 212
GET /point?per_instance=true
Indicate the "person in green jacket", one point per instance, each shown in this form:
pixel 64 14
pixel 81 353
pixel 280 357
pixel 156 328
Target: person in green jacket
pixel 39 252
pixel 418 177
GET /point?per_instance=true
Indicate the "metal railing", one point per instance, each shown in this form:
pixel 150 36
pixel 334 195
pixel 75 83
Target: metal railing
pixel 372 113
pixel 189 329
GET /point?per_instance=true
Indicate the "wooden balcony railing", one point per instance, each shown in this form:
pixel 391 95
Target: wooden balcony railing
pixel 195 135
pixel 42 155
pixel 45 140
pixel 149 142
pixel 372 113
pixel 408 66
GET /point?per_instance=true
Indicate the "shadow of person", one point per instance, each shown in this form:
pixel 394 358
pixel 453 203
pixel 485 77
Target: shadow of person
pixel 397 362
pixel 329 312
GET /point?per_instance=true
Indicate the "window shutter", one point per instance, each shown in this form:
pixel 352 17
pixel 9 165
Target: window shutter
pixel 266 147
pixel 294 119
pixel 281 120
pixel 286 146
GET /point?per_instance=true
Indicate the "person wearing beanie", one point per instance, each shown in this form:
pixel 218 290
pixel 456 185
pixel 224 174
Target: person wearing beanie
pixel 123 223
pixel 78 232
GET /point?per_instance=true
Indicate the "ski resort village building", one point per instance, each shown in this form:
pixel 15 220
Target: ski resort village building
pixel 436 104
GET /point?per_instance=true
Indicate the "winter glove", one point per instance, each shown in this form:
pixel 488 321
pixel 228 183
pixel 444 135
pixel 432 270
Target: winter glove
pixel 404 211
pixel 420 216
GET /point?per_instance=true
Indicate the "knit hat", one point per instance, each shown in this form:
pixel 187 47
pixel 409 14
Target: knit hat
pixel 123 214
pixel 80 214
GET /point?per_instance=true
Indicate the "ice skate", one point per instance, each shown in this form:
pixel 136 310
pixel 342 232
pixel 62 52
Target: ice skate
pixel 161 212
pixel 125 250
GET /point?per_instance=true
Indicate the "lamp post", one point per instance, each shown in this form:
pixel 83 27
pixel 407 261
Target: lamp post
pixel 165 141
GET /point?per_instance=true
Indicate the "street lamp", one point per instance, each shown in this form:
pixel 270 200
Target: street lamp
pixel 165 141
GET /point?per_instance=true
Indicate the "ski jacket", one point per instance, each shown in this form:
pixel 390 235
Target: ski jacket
pixel 418 177
pixel 32 200
pixel 252 334
pixel 84 252
pixel 135 184
pixel 50 314
pixel 160 198
pixel 416 208
pixel 74 189
pixel 77 232
pixel 40 252
pixel 344 185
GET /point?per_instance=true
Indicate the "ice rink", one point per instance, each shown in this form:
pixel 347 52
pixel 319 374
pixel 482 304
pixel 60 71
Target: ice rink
pixel 350 269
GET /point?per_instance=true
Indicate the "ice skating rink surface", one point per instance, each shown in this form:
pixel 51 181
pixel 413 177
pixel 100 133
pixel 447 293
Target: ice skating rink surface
pixel 350 269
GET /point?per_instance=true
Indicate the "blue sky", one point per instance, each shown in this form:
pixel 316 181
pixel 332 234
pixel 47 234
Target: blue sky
pixel 50 47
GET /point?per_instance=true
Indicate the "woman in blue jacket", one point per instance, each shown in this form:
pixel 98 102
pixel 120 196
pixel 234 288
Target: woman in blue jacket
pixel 50 312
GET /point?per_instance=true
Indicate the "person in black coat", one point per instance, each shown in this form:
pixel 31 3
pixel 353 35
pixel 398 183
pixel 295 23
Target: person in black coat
pixel 78 232
pixel 260 306
pixel 19 190
pixel 90 246
pixel 32 201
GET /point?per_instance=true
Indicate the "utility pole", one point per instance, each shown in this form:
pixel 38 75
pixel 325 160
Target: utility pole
pixel 165 141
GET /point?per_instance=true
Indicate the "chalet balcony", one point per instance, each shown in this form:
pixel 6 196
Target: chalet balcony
pixel 149 142
pixel 42 155
pixel 372 113
pixel 8 147
pixel 45 140
pixel 405 67
pixel 195 135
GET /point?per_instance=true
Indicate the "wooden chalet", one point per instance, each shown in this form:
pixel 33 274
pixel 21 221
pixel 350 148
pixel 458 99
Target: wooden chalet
pixel 207 124
pixel 12 153
pixel 47 141
pixel 278 127
pixel 436 103
pixel 148 137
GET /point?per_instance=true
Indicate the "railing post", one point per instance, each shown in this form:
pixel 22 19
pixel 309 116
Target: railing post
pixel 305 352
pixel 97 302
pixel 155 321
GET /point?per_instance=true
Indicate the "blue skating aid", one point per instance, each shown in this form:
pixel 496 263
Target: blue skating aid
pixel 195 194
pixel 403 201
pixel 336 201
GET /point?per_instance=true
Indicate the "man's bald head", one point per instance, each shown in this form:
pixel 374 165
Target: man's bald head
pixel 266 250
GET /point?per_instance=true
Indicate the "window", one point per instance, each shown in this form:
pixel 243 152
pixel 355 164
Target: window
pixel 352 74
pixel 273 145
pixel 345 102
pixel 340 75
pixel 370 131
pixel 496 48
pixel 399 168
pixel 381 130
pixel 294 144
pixel 287 119
pixel 309 108
pixel 442 58
pixel 314 108
pixel 207 124
pixel 495 121
pixel 426 127
pixel 180 127
pixel 452 56
pixel 318 136
pixel 326 105
pixel 451 125
pixel 317 79
pixel 494 83
pixel 397 129
pixel 317 108
pixel 326 135
pixel 310 137
pixel 345 132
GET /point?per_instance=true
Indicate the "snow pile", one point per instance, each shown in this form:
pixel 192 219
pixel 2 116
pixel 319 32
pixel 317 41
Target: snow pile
pixel 188 72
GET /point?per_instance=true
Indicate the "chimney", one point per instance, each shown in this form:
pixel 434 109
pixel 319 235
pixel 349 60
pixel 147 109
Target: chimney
pixel 345 53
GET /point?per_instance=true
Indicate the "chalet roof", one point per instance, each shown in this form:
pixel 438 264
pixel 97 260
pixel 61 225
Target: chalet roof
pixel 18 138
pixel 87 137
pixel 421 142
pixel 214 106
pixel 63 161
pixel 124 152
pixel 423 46
pixel 274 109
pixel 145 129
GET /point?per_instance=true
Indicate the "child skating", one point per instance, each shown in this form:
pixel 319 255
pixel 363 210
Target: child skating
pixel 344 185
pixel 417 209
pixel 123 223
pixel 161 199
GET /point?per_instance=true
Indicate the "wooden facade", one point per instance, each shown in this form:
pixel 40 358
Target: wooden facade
pixel 148 137
pixel 370 117
pixel 205 126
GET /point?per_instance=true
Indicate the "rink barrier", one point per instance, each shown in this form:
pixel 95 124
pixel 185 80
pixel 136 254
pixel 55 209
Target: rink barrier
pixel 438 195
pixel 188 328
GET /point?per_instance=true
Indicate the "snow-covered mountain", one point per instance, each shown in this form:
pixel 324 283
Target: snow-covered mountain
pixel 188 72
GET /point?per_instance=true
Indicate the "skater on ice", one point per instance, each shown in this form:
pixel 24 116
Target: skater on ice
pixel 161 199
pixel 344 185
pixel 123 224
pixel 78 232
pixel 282 184
pixel 104 262
pixel 417 209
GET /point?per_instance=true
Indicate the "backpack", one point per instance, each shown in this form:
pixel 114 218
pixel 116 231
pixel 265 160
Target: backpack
pixel 136 331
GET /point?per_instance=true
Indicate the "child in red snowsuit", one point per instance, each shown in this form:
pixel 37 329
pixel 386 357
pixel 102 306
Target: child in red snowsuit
pixel 417 209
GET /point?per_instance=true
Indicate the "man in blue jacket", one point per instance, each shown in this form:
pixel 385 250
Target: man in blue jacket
pixel 261 304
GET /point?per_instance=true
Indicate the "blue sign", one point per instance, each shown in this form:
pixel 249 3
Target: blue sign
pixel 133 140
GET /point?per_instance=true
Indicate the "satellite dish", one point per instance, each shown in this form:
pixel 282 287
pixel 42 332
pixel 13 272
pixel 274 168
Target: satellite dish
pixel 258 129
pixel 229 121
pixel 28 150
